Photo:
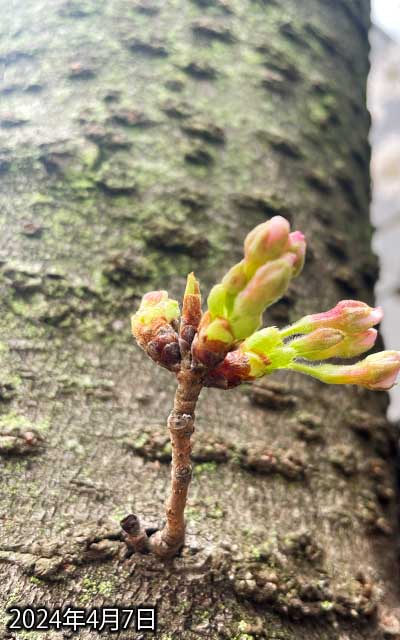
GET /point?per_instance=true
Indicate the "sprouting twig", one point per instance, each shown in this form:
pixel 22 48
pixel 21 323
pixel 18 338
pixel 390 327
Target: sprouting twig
pixel 223 348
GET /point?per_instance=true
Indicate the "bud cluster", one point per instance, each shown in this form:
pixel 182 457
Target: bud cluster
pixel 345 331
pixel 224 342
pixel 257 356
pixel 349 316
pixel 272 257
pixel 224 348
pixel 314 338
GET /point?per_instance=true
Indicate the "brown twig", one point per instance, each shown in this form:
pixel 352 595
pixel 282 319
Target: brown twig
pixel 169 540
pixel 135 536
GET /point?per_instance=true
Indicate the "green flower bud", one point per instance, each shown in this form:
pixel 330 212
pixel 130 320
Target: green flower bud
pixel 213 340
pixel 268 284
pixel 235 280
pixel 243 326
pixel 272 257
pixel 263 341
pixel 316 344
pixel 216 301
pixel 191 313
pixel 217 330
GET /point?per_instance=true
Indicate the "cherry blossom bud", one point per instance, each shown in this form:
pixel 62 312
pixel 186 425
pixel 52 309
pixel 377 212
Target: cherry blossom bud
pixel 191 307
pixel 314 345
pixel 245 325
pixel 155 309
pixel 153 326
pixel 350 316
pixel 266 242
pixel 268 284
pixel 235 280
pixel 353 344
pixel 376 372
pixel 191 313
pixel 297 246
pixel 383 368
pixel 213 340
pixel 272 257
pixel 216 301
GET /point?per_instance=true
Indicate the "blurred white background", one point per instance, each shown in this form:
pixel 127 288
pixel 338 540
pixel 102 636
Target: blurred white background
pixel 386 15
pixel 384 104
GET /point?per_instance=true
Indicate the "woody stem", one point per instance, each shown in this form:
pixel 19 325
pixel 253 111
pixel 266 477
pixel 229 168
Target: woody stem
pixel 168 541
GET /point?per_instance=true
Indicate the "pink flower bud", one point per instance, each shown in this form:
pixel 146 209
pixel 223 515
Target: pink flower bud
pixel 267 241
pixel 314 345
pixel 376 372
pixel 326 343
pixel 353 344
pixel 350 316
pixel 297 245
pixel 272 257
pixel 268 284
pixel 151 298
pixel 383 369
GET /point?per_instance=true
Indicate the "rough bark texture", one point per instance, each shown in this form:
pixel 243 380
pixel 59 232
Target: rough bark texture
pixel 141 140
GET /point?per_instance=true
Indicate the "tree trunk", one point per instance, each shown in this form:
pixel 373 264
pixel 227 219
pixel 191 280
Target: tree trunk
pixel 141 140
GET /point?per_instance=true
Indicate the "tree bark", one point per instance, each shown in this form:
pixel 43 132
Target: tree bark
pixel 141 140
